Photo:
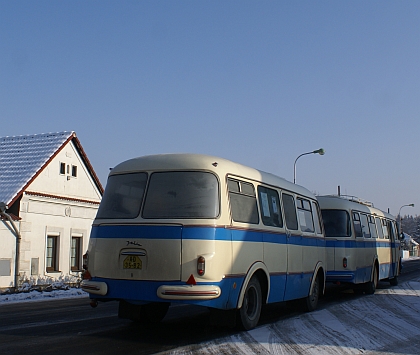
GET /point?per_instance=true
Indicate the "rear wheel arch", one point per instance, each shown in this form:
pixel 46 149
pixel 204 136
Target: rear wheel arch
pixel 320 273
pixel 260 271
pixel 316 288
pixel 370 286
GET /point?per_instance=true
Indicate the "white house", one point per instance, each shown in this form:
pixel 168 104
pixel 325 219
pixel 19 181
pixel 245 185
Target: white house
pixel 49 195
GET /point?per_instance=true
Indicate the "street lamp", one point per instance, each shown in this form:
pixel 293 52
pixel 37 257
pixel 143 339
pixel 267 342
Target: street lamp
pixel 318 151
pixel 399 214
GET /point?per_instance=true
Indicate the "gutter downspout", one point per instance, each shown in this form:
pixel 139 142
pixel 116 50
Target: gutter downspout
pixel 3 213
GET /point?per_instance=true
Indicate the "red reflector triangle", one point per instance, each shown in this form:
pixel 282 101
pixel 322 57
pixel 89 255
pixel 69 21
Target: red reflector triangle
pixel 191 280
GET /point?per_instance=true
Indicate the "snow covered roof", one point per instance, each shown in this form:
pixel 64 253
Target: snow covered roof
pixel 22 158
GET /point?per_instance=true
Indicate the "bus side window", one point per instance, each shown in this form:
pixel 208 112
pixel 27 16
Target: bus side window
pixel 357 225
pixel 379 228
pixel 270 207
pixel 317 220
pixel 305 215
pixel 372 227
pixel 391 228
pixel 365 226
pixel 385 228
pixel 289 211
pixel 243 202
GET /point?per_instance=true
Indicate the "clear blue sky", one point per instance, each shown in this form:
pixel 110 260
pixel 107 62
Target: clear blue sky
pixel 257 82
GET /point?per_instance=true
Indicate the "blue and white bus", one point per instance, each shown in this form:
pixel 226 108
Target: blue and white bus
pixel 362 243
pixel 196 229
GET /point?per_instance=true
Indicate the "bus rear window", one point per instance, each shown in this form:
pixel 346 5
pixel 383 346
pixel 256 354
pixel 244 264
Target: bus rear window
pixel 182 194
pixel 336 223
pixel 123 196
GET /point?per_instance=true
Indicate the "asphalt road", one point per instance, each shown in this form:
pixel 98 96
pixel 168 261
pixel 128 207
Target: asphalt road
pixel 72 326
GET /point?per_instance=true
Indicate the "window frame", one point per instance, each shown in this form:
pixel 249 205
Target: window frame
pixel 263 204
pixel 343 214
pixel 244 195
pixel 304 209
pixel 292 218
pixel 76 253
pixel 147 215
pixel 53 256
pixel 74 171
pixel 358 232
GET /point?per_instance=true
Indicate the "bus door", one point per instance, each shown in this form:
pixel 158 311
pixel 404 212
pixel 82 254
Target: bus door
pixel 395 250
pixel 309 245
pixel 294 250
pixel 363 260
pixel 274 241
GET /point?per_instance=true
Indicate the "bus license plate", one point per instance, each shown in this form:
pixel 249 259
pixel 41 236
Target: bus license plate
pixel 132 262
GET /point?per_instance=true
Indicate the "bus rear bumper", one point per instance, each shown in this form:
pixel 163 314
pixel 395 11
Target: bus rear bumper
pixel 94 287
pixel 189 292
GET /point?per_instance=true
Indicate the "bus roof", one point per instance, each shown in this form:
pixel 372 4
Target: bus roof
pixel 223 167
pixel 350 203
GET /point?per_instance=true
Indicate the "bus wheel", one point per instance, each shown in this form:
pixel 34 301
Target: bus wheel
pixel 311 301
pixel 155 312
pixel 370 286
pixel 249 313
pixel 394 281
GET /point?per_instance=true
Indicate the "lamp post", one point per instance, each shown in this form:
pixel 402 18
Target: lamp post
pixel 399 214
pixel 318 151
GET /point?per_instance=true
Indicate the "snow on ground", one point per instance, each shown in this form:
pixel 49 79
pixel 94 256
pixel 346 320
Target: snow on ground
pixel 387 322
pixel 41 296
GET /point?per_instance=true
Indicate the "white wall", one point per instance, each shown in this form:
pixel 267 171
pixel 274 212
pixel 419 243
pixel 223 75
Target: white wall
pixel 42 215
pixel 7 253
pixel 50 181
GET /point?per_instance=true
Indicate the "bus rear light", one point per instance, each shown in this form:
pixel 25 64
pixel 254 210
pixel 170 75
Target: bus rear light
pixel 344 262
pixel 201 266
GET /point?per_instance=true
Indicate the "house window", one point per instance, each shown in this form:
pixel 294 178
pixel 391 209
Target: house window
pixel 75 252
pixel 52 253
pixel 74 170
pixel 62 168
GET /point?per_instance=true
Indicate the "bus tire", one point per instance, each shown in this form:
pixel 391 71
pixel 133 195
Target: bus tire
pixel 249 313
pixel 370 287
pixel 394 281
pixel 311 301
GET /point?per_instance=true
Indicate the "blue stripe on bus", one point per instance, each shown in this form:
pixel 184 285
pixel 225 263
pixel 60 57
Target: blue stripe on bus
pixel 359 244
pixel 201 233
